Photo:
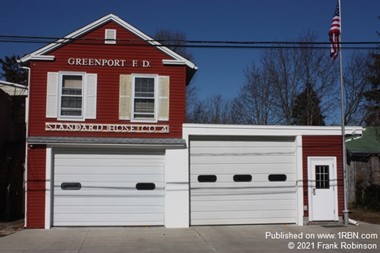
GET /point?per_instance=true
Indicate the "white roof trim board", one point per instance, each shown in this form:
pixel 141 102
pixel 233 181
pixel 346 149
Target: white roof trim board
pixel 266 130
pixel 39 54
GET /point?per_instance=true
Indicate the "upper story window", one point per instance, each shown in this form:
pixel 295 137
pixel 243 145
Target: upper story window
pixel 144 101
pixel 144 98
pixel 71 95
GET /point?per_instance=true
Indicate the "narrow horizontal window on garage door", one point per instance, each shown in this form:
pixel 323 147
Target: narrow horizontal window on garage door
pixel 277 177
pixel 207 178
pixel 71 186
pixel 145 186
pixel 242 178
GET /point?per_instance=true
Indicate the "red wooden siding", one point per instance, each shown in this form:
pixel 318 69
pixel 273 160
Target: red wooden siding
pixel 323 146
pixel 35 194
pixel 108 81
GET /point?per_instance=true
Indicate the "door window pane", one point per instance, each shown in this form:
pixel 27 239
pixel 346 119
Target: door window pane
pixel 322 177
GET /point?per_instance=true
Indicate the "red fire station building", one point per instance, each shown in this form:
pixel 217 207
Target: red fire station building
pixel 107 144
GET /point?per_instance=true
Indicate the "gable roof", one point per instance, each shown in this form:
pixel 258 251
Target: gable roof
pixel 367 144
pixel 40 54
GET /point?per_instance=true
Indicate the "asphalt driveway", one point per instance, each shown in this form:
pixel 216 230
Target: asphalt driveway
pixel 253 238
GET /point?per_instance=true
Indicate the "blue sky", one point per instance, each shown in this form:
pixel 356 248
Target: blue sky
pixel 220 70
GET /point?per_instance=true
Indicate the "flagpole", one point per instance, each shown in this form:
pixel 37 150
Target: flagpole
pixel 344 155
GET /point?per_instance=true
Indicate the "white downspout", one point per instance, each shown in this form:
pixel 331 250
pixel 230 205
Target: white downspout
pixel 26 148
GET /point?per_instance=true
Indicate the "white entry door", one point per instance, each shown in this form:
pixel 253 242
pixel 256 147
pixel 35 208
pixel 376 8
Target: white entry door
pixel 323 189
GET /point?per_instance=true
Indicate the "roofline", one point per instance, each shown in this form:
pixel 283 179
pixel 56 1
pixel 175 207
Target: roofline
pixel 38 54
pixel 16 85
pixel 160 143
pixel 268 130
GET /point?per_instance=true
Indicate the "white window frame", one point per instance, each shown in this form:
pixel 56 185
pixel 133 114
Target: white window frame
pixel 110 39
pixel 68 117
pixel 155 117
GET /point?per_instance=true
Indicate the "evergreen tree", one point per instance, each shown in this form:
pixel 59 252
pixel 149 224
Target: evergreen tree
pixel 306 109
pixel 373 96
pixel 12 70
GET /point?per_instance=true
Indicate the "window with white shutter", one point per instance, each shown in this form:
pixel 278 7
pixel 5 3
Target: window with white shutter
pixel 163 98
pixel 144 98
pixel 71 95
pixel 125 97
pixel 52 95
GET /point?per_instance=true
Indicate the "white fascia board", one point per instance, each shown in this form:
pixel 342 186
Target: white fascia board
pixel 17 85
pixel 37 57
pixel 270 130
pixel 173 62
pixel 99 22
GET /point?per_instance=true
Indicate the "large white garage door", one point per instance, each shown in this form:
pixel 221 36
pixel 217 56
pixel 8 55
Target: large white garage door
pixel 96 188
pixel 243 180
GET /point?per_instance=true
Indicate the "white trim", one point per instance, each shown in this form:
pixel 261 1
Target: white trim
pixel 155 77
pixel 48 187
pixel 100 22
pixel 173 62
pixel 16 85
pixel 177 209
pixel 299 181
pixel 38 58
pixel 110 40
pixel 241 130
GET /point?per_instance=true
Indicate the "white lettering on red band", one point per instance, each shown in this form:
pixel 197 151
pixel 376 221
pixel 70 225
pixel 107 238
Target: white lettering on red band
pixel 108 62
pixel 109 128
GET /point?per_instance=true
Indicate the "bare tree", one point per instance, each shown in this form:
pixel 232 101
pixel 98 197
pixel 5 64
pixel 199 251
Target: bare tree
pixel 356 83
pixel 286 71
pixel 198 113
pixel 253 104
pixel 174 40
pixel 218 110
pixel 213 110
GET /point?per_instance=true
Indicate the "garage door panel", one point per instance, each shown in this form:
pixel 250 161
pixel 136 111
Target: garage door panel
pixel 119 209
pixel 226 196
pixel 83 162
pixel 242 151
pixel 114 170
pixel 116 219
pixel 227 159
pixel 115 186
pixel 258 180
pixel 243 141
pixel 244 167
pixel 132 180
pixel 265 191
pixel 250 214
pixel 251 217
pixel 110 191
pixel 92 201
pixel 243 205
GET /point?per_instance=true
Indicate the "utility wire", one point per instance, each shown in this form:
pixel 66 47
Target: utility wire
pixel 192 43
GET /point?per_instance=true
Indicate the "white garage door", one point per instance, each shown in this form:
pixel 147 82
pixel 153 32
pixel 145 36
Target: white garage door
pixel 115 188
pixel 243 180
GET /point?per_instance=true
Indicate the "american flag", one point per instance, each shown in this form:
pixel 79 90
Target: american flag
pixel 334 33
